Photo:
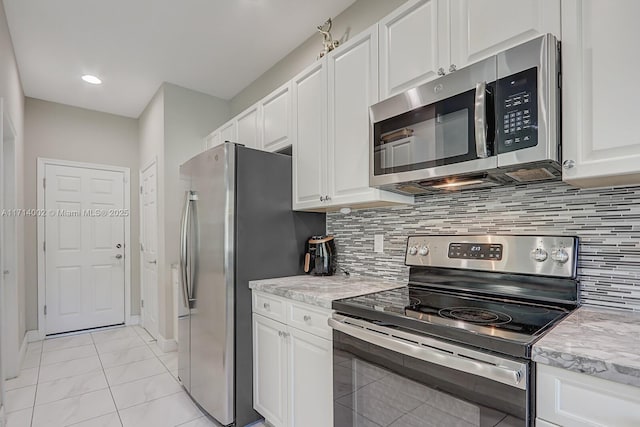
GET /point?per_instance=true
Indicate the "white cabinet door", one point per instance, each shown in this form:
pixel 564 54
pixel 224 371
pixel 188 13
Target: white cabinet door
pixel 482 28
pixel 353 87
pixel 309 91
pixel 414 43
pixel 228 132
pixel 270 370
pixel 212 140
pixel 571 399
pixel 600 92
pixel 247 128
pixel 310 380
pixel 276 119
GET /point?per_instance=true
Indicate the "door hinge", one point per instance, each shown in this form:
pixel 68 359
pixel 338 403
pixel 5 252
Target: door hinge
pixel 142 303
pixel 44 182
pixel 44 246
pixel 45 309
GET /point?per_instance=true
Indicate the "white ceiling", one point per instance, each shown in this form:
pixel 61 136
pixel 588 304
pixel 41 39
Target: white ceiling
pixel 212 46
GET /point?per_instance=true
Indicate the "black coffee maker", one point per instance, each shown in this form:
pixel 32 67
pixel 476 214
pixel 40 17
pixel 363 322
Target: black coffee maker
pixel 320 257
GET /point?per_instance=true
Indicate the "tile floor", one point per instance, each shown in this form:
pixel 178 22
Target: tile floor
pixel 111 378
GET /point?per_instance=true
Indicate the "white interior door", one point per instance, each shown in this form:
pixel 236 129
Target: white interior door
pixel 149 255
pixel 84 248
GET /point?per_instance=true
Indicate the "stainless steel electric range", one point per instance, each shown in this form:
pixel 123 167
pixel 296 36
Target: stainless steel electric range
pixel 453 347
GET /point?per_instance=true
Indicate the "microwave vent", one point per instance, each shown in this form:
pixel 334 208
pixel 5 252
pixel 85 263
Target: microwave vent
pixel 530 175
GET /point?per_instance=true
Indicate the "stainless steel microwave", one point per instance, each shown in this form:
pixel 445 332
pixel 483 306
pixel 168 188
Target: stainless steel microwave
pixel 494 122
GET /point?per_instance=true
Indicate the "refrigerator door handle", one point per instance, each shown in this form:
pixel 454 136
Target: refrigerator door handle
pixel 184 229
pixel 193 247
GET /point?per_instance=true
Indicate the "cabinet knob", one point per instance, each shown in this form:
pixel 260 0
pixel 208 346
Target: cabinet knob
pixel 327 198
pixel 441 71
pixel 568 164
pixel 452 68
pixel 266 306
pixel 307 318
pixel 280 333
pixel 322 198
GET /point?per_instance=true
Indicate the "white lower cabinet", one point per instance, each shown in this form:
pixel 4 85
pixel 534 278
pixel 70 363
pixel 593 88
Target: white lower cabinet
pixel 292 363
pixel 571 399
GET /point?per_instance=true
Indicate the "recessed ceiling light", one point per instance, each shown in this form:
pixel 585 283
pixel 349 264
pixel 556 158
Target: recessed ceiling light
pixel 91 79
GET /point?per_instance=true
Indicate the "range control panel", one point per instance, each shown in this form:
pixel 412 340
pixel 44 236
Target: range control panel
pixel 481 251
pixel 537 255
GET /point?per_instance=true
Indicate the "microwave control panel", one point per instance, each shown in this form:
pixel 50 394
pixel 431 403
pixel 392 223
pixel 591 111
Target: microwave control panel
pixel 517 109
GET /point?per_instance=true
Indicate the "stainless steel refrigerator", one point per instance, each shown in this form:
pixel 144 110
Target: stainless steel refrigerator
pixel 237 225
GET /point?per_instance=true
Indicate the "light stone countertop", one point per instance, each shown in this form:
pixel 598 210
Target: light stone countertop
pixel 594 341
pixel 321 290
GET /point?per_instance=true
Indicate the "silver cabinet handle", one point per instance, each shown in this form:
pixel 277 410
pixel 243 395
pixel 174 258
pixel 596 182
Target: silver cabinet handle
pixel 452 68
pixel 153 262
pixel 307 318
pixel 568 164
pixel 267 306
pixel 441 71
pixel 285 334
pixel 118 256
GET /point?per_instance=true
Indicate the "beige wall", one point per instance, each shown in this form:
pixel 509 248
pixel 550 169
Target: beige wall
pixel 13 103
pixel 62 132
pixel 353 20
pixel 172 129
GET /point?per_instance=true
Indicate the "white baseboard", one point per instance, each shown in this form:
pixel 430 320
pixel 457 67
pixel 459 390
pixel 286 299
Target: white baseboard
pixel 167 345
pixel 133 320
pixel 34 335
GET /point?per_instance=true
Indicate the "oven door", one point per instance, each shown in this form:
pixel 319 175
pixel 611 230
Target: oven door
pixel 442 128
pixel 383 376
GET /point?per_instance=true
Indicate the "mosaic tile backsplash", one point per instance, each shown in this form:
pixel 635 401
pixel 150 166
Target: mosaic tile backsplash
pixel 607 221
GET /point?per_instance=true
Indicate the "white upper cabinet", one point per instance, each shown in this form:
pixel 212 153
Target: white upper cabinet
pixel 275 120
pixel 309 90
pixel 353 87
pixel 600 92
pixel 228 132
pixel 483 28
pixel 413 45
pixel 212 140
pixel 247 128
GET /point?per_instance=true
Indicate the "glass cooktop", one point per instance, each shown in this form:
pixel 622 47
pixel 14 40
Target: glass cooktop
pixel 507 319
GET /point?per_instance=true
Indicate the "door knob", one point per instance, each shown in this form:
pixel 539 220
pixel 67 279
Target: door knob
pixel 118 256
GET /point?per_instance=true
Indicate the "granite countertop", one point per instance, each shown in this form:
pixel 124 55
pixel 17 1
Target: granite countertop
pixel 599 342
pixel 321 290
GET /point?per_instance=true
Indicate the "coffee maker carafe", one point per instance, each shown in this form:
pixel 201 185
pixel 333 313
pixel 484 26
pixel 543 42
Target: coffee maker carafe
pixel 320 257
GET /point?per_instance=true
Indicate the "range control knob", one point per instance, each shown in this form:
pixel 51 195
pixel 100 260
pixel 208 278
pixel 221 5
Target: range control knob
pixel 413 250
pixel 423 251
pixel 560 255
pixel 539 254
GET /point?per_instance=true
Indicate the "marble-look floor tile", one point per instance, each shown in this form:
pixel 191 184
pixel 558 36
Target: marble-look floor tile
pixel 144 390
pixel 70 386
pixel 168 411
pixel 19 418
pixel 510 422
pixel 109 420
pixel 119 344
pixel 66 342
pixel 31 360
pixel 20 398
pixel 111 334
pixel 170 360
pixel 26 377
pixel 70 368
pixel 347 417
pixel 156 349
pixel 74 409
pixel 142 333
pixel 428 416
pixel 206 422
pixel 62 355
pixel 126 356
pixel 134 371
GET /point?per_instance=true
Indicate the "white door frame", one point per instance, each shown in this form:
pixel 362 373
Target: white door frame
pixel 42 163
pixel 13 351
pixel 152 162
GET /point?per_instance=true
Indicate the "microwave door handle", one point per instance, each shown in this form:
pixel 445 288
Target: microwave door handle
pixel 481 120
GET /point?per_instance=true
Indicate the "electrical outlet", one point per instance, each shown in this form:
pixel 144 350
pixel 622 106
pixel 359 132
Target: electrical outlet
pixel 378 243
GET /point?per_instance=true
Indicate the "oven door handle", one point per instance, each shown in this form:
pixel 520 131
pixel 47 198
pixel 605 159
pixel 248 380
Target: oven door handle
pixel 512 377
pixel 480 120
